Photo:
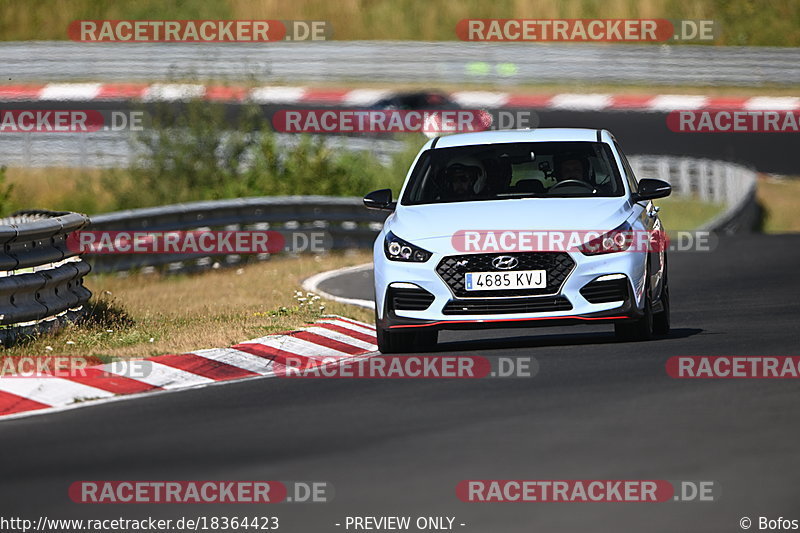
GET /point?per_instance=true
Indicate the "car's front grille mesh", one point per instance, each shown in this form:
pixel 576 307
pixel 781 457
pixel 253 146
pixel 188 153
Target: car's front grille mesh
pixel 490 306
pixel 557 264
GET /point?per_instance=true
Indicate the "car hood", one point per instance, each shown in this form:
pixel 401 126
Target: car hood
pixel 441 221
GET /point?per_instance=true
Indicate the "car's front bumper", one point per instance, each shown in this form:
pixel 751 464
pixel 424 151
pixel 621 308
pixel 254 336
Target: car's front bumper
pixel 587 268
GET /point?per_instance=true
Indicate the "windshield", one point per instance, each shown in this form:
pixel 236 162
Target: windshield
pixel 514 170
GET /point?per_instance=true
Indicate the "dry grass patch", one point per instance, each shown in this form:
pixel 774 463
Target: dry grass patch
pixel 742 22
pixel 679 214
pixel 59 189
pixel 145 315
pixel 781 201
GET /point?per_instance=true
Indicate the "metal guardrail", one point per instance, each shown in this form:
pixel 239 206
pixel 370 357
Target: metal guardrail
pixel 718 182
pixel 502 64
pixel 350 225
pixel 345 222
pixel 41 279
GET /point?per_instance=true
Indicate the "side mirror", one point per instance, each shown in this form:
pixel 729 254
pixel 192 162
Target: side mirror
pixel 650 189
pixel 381 200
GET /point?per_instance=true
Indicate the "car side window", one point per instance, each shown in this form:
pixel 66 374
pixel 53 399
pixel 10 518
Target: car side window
pixel 634 184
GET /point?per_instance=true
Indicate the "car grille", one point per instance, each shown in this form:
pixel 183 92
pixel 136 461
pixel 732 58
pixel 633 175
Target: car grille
pixel 500 306
pixel 557 264
pixel 599 292
pixel 410 299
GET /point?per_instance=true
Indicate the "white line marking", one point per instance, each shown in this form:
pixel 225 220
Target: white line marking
pixel 363 97
pixel 173 91
pixel 672 102
pixel 341 337
pixel 70 91
pixel 297 346
pixel 773 103
pixel 278 95
pixel 244 360
pixel 351 327
pixel 594 102
pixel 51 391
pixel 362 324
pixel 480 98
pixel 159 375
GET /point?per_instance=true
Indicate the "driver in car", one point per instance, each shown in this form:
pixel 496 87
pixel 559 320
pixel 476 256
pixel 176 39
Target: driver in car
pixel 572 167
pixel 465 177
pixel 576 168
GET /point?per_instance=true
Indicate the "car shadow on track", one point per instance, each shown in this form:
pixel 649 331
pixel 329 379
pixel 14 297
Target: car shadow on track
pixel 502 342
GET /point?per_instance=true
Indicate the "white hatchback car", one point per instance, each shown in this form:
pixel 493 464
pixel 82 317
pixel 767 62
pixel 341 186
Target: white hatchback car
pixel 519 228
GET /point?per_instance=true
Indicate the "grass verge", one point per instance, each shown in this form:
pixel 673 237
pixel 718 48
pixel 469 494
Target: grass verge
pixel 780 199
pixel 146 315
pixel 679 214
pixel 61 189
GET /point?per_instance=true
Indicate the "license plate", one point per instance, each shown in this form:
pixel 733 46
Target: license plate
pixel 498 281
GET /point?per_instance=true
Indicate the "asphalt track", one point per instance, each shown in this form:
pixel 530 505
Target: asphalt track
pixel 598 409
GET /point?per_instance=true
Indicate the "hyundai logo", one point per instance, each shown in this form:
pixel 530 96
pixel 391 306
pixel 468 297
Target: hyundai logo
pixel 505 262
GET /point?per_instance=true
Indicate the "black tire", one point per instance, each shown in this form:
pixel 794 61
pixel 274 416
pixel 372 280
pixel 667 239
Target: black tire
pixel 406 340
pixel 427 340
pixel 661 321
pixel 395 341
pixel 641 329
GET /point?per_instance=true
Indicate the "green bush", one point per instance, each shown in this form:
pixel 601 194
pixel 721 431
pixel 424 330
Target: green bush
pixel 5 194
pixel 194 152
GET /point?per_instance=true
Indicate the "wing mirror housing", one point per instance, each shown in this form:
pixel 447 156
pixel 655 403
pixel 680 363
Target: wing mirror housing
pixel 380 200
pixel 650 189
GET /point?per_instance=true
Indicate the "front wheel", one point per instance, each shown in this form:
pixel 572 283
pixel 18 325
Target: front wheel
pixel 637 330
pixel 406 340
pixel 661 323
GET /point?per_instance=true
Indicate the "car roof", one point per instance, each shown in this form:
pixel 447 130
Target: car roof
pixel 526 135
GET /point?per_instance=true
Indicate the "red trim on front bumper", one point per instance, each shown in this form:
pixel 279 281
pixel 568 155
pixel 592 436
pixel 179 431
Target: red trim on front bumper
pixel 505 320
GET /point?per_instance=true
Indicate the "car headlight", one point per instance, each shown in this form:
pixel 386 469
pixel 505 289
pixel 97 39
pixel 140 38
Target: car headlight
pixel 617 240
pixel 396 249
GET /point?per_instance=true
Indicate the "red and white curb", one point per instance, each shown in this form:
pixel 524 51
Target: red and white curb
pixel 330 338
pixel 166 92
